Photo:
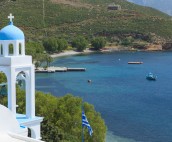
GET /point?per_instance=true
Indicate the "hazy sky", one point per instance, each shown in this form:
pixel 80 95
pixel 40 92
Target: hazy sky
pixel 162 5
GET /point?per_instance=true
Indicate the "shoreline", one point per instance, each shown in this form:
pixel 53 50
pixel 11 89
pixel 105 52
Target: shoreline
pixel 105 49
pixel 88 51
pixel 70 53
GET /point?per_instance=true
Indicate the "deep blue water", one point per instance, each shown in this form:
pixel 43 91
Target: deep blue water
pixel 131 106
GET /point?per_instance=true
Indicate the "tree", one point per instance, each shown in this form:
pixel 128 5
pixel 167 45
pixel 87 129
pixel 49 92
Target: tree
pixel 40 59
pixel 80 43
pixel 48 59
pixel 62 45
pixel 64 113
pixel 35 49
pixel 55 45
pixel 43 59
pixel 127 41
pixel 98 43
pixel 50 45
pixel 3 77
pixel 62 117
pixel 37 64
pixel 3 89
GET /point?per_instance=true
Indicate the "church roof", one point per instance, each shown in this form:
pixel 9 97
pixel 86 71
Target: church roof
pixel 11 32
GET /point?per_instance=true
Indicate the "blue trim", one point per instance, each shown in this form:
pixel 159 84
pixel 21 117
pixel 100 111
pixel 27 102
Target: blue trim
pixel 22 126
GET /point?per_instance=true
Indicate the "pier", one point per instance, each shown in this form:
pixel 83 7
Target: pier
pixel 57 69
pixel 135 62
pixel 44 71
pixel 76 69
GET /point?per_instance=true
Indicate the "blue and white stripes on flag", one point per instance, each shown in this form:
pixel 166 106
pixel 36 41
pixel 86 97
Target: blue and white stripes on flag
pixel 86 124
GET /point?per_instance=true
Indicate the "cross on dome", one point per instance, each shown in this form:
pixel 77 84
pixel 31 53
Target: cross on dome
pixel 11 17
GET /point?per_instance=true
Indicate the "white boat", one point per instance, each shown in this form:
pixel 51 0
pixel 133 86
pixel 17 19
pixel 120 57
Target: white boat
pixel 151 76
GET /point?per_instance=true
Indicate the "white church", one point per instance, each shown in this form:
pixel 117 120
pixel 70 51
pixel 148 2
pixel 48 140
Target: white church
pixel 15 64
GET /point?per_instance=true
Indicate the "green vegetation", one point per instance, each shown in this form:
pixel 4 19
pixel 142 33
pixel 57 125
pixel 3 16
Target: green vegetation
pixel 50 45
pixel 127 41
pixel 89 18
pixel 62 117
pixel 80 43
pixel 38 53
pixel 55 45
pixel 98 43
pixel 2 78
pixel 34 48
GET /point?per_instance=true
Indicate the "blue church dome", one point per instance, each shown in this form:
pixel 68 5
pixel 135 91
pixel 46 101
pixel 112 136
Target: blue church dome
pixel 11 32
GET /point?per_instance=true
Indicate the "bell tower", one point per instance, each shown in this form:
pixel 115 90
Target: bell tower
pixel 13 63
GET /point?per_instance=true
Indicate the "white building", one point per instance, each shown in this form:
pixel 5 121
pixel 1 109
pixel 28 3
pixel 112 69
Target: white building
pixel 13 62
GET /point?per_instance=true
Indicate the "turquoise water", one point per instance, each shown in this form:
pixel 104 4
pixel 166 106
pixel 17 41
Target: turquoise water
pixel 133 108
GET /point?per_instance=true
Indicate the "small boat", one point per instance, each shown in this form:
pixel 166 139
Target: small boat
pixel 151 76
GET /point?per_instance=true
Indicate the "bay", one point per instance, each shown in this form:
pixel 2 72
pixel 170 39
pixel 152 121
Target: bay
pixel 134 109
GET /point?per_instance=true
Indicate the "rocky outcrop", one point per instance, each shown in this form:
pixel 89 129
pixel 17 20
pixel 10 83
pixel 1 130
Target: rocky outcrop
pixel 154 47
pixel 167 46
pixel 139 47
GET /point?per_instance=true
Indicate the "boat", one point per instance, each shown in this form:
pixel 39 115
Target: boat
pixel 135 62
pixel 151 76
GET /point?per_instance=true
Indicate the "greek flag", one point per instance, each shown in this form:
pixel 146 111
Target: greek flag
pixel 86 124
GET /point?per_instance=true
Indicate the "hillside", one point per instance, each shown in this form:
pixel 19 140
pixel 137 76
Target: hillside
pixel 68 18
pixel 162 5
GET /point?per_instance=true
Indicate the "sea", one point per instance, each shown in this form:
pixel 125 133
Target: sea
pixel 134 109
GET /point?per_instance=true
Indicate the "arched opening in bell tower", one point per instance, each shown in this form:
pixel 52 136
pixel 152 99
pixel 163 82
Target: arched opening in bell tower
pixel 1 49
pixel 21 93
pixel 20 49
pixel 10 49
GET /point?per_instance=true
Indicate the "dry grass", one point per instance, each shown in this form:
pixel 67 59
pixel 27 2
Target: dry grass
pixel 75 3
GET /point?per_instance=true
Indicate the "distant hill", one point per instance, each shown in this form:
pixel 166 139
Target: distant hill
pixel 69 18
pixel 162 5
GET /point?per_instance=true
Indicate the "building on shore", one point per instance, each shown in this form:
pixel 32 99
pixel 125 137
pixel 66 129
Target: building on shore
pixel 114 7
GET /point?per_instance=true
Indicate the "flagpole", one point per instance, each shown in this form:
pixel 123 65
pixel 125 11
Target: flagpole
pixel 81 123
pixel 85 123
pixel 82 134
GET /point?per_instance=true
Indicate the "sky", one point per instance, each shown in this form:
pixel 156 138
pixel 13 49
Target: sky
pixel 162 5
